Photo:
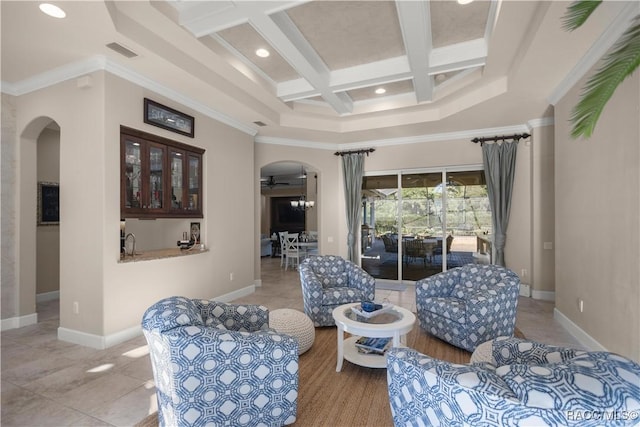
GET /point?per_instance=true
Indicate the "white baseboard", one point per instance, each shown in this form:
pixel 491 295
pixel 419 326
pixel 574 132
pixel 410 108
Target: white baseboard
pixel 101 342
pixel 543 295
pixel 97 341
pixel 525 290
pixel 257 283
pixel 236 294
pixel 48 296
pixel 583 338
pixel 19 322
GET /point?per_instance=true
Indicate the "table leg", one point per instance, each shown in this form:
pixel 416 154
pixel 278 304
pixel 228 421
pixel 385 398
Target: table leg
pixel 340 348
pixel 397 339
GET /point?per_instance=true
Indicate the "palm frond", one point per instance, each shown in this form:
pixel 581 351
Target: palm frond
pixel 618 64
pixel 578 12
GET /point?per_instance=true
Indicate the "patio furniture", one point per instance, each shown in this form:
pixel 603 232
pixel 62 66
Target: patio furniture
pixel 525 384
pixel 390 243
pixel 417 249
pixel 468 305
pixel 329 281
pixel 220 364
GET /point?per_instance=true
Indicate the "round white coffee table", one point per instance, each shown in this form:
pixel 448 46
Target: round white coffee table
pixel 395 323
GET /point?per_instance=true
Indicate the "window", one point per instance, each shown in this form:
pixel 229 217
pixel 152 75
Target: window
pixel 160 178
pixel 423 222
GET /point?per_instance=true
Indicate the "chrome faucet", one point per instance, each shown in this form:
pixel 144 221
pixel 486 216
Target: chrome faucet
pixel 133 247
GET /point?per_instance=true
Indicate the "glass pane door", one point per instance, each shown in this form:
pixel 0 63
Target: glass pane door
pixel 156 161
pixel 422 224
pixel 417 224
pixel 177 187
pixel 133 169
pixel 194 182
pixel 380 219
pixel 468 216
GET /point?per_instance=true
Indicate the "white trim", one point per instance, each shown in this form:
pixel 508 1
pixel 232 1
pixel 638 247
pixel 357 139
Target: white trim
pixel 102 63
pixel 446 136
pixel 607 39
pixel 101 342
pixel 81 338
pixel 543 295
pixel 525 290
pixel 19 322
pixel 542 122
pixel 48 296
pixel 257 283
pixel 583 338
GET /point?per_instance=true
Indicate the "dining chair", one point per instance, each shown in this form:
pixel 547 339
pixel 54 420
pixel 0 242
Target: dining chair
pixel 282 235
pixel 291 251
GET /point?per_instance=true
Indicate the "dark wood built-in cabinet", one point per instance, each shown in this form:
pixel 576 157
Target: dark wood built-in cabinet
pixel 160 178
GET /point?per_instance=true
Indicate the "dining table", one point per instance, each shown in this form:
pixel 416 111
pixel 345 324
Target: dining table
pixel 305 246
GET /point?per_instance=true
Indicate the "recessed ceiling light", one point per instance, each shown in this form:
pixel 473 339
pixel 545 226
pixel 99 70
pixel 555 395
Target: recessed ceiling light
pixel 464 1
pixel 380 90
pixel 262 53
pixel 52 10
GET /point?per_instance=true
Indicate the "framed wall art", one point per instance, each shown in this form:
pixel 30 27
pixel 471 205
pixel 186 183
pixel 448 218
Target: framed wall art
pixel 48 203
pixel 167 118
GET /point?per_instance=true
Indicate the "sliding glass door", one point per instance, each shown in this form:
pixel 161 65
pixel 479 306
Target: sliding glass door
pixel 417 224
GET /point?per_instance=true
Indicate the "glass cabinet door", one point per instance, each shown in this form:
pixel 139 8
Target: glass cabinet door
pixel 133 178
pixel 156 169
pixel 194 182
pixel 177 177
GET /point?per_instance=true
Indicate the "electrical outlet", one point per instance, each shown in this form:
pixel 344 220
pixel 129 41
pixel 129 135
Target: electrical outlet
pixel 523 272
pixel 76 307
pixel 231 277
pixel 581 305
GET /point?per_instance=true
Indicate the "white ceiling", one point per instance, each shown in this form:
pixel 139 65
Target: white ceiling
pixel 446 67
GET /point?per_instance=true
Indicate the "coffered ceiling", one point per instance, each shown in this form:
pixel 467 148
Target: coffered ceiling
pixel 443 66
pixel 339 53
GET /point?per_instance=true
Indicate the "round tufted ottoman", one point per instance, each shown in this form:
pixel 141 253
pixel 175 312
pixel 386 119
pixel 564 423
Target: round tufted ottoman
pixel 294 323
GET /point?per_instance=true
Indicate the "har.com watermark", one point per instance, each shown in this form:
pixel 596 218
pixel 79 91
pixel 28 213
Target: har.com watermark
pixel 603 415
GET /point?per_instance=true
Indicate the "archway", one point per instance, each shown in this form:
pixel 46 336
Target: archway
pixel 38 234
pixel 282 183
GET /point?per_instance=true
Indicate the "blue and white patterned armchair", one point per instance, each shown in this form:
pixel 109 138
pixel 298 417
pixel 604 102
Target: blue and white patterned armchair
pixel 220 364
pixel 329 281
pixel 468 305
pixel 528 384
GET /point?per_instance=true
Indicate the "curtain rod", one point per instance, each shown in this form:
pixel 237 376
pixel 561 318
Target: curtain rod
pixel 367 150
pixel 515 137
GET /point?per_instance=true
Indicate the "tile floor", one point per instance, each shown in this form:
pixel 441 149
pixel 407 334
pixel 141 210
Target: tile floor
pixel 46 382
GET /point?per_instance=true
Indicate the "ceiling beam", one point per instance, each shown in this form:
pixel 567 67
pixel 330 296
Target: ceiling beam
pixel 281 33
pixel 415 23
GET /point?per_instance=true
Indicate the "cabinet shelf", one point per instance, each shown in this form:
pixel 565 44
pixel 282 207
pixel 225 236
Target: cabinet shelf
pixel 160 178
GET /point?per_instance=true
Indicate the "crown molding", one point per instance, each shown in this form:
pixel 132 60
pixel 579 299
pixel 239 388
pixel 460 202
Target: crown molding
pixel 607 39
pixel 541 122
pixel 101 63
pixel 445 136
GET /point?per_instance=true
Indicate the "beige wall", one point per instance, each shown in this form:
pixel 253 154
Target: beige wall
pixel 542 277
pixel 10 297
pixel 48 237
pixel 330 204
pixel 227 228
pixel 112 296
pixel 598 221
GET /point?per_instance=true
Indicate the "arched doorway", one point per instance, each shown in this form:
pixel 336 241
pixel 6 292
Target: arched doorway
pixel 284 184
pixel 38 233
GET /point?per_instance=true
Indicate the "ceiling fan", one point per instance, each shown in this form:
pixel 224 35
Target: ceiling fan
pixel 271 182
